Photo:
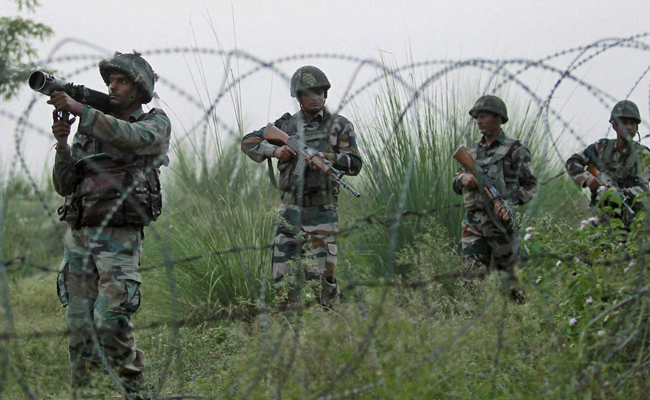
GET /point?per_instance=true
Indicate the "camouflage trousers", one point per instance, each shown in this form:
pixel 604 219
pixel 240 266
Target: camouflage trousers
pixel 99 284
pixel 482 241
pixel 304 238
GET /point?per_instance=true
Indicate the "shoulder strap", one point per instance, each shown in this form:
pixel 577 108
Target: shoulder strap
pixel 501 152
pixel 473 149
pixel 269 165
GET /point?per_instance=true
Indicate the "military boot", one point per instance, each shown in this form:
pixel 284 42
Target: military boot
pixel 80 379
pixel 513 290
pixel 330 292
pixel 137 388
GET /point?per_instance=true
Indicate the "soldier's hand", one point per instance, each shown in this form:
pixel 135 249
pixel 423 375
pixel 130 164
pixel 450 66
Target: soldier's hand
pixel 62 102
pixel 501 211
pixel 469 181
pixel 284 153
pixel 593 184
pixel 326 156
pixel 61 130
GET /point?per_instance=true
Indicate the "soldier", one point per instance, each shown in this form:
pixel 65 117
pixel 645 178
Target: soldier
pixel 309 197
pixel 507 162
pixel 620 160
pixel 110 178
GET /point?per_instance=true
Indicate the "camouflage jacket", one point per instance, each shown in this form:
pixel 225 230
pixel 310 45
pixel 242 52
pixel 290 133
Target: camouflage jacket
pixel 625 167
pixel 507 162
pixel 108 159
pixel 144 138
pixel 328 133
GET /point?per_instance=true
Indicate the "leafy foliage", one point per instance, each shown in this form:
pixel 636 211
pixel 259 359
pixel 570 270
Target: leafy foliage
pixel 17 51
pixel 595 279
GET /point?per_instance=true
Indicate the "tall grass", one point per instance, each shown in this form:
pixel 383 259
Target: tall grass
pixel 409 164
pixel 224 201
pixel 215 207
pixel 441 340
pixel 31 232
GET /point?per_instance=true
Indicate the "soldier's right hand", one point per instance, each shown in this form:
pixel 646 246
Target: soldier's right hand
pixel 593 184
pixel 284 153
pixel 469 181
pixel 61 130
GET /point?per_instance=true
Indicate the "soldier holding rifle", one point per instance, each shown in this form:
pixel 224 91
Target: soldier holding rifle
pixel 616 164
pixel 502 178
pixel 314 148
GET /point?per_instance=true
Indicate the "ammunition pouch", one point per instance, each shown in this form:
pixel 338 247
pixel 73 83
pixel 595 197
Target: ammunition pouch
pixel 114 197
pixel 70 211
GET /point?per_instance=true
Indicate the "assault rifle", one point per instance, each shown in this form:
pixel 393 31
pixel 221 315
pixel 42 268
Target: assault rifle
pixel 500 208
pixel 606 179
pixel 47 84
pixel 305 153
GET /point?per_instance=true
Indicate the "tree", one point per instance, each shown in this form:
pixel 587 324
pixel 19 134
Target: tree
pixel 16 51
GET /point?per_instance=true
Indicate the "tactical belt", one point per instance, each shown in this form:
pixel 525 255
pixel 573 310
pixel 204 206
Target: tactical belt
pixel 308 201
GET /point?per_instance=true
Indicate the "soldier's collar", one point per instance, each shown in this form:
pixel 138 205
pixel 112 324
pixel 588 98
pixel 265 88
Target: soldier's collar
pixel 501 138
pixel 323 113
pixel 135 115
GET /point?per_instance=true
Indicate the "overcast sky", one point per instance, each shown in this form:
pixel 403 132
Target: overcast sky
pixel 399 31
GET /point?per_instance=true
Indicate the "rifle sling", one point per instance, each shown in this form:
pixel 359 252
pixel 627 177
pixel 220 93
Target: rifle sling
pixel 269 163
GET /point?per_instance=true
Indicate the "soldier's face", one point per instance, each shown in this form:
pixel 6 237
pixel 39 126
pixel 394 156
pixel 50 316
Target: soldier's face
pixel 120 89
pixel 625 128
pixel 488 123
pixel 312 101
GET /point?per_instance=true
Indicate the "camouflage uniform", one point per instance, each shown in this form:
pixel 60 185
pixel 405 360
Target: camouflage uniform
pixel 309 209
pixel 507 162
pixel 625 166
pixel 109 176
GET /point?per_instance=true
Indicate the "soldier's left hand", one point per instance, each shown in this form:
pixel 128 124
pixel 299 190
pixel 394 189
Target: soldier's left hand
pixel 469 181
pixel 61 130
pixel 62 102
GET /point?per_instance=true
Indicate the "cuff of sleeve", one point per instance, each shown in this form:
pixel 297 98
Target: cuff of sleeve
pixel 63 154
pixel 341 161
pixel 268 149
pixel 457 185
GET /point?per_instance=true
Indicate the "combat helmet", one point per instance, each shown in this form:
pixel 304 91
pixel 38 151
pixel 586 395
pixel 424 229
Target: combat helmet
pixel 625 109
pixel 308 77
pixel 133 66
pixel 491 104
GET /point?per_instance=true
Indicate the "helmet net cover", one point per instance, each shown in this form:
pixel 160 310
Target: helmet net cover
pixel 133 66
pixel 491 104
pixel 307 78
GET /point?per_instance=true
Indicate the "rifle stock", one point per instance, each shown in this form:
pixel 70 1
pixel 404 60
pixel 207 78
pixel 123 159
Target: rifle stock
pixel 462 156
pixel 591 168
pixel 275 134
